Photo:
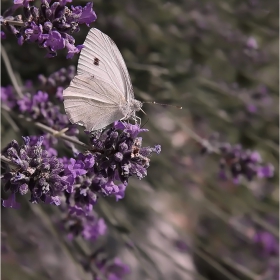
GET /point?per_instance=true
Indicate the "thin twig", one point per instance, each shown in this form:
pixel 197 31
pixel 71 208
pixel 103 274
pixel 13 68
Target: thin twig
pixel 45 128
pixel 215 264
pixel 14 22
pixel 8 161
pixel 10 71
pixel 10 121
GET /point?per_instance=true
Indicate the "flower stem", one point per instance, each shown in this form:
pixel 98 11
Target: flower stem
pixel 10 71
pixel 45 128
pixel 8 161
pixel 14 22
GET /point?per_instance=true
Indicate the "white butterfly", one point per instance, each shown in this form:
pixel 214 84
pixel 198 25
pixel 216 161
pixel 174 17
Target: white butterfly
pixel 102 92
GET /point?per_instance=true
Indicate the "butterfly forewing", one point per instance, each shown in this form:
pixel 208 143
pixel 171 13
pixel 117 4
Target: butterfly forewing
pixel 101 58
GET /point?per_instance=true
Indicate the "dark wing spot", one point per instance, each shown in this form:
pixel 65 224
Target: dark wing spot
pixel 96 61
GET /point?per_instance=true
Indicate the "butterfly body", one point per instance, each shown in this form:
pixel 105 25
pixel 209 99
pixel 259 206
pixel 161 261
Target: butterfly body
pixel 102 92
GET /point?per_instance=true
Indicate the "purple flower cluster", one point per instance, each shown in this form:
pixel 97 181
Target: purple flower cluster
pixel 241 162
pixel 117 155
pixel 89 227
pixel 35 171
pixel 114 271
pixel 58 80
pixel 110 269
pixel 39 108
pixel 121 155
pixel 255 99
pixel 50 25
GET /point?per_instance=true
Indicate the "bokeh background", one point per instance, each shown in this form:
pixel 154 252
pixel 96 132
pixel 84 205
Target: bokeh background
pixel 219 61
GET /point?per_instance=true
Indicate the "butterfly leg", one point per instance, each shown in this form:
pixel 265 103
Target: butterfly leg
pixel 138 118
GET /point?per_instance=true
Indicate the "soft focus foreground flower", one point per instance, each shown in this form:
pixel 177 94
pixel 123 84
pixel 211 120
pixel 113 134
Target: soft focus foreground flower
pixel 50 25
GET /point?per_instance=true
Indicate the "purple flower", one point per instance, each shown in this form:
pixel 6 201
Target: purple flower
pixel 7 97
pixel 11 202
pixel 59 93
pixel 72 49
pixel 181 245
pixel 88 15
pixel 55 41
pixel 117 270
pixel 255 157
pixel 266 171
pixel 47 144
pixel 58 79
pixel 89 227
pixel 252 108
pixel 252 43
pixel 268 242
pixel 24 3
pixel 93 229
pixel 76 168
pixel 120 194
pixel 41 109
pixel 64 2
pixel 110 188
pixel 3 35
pixel 134 130
pixel 242 162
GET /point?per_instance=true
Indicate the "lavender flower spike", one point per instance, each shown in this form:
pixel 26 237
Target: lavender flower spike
pixel 50 25
pixel 36 172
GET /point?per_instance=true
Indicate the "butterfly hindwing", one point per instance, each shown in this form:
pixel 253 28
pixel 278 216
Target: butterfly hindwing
pixel 92 102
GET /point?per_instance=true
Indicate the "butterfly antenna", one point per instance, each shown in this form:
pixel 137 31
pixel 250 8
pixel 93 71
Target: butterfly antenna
pixel 153 102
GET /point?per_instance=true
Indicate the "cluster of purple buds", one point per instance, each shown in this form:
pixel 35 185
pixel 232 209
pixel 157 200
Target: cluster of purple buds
pixel 87 226
pixel 120 155
pixel 117 154
pixel 32 170
pixel 115 270
pixel 38 107
pixel 57 80
pixel 49 26
pixel 241 162
pixel 110 269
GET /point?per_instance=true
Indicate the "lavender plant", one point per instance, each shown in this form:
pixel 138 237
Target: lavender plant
pixel 209 207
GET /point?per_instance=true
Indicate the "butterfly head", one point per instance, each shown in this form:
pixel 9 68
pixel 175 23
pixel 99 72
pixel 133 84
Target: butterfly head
pixel 135 105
